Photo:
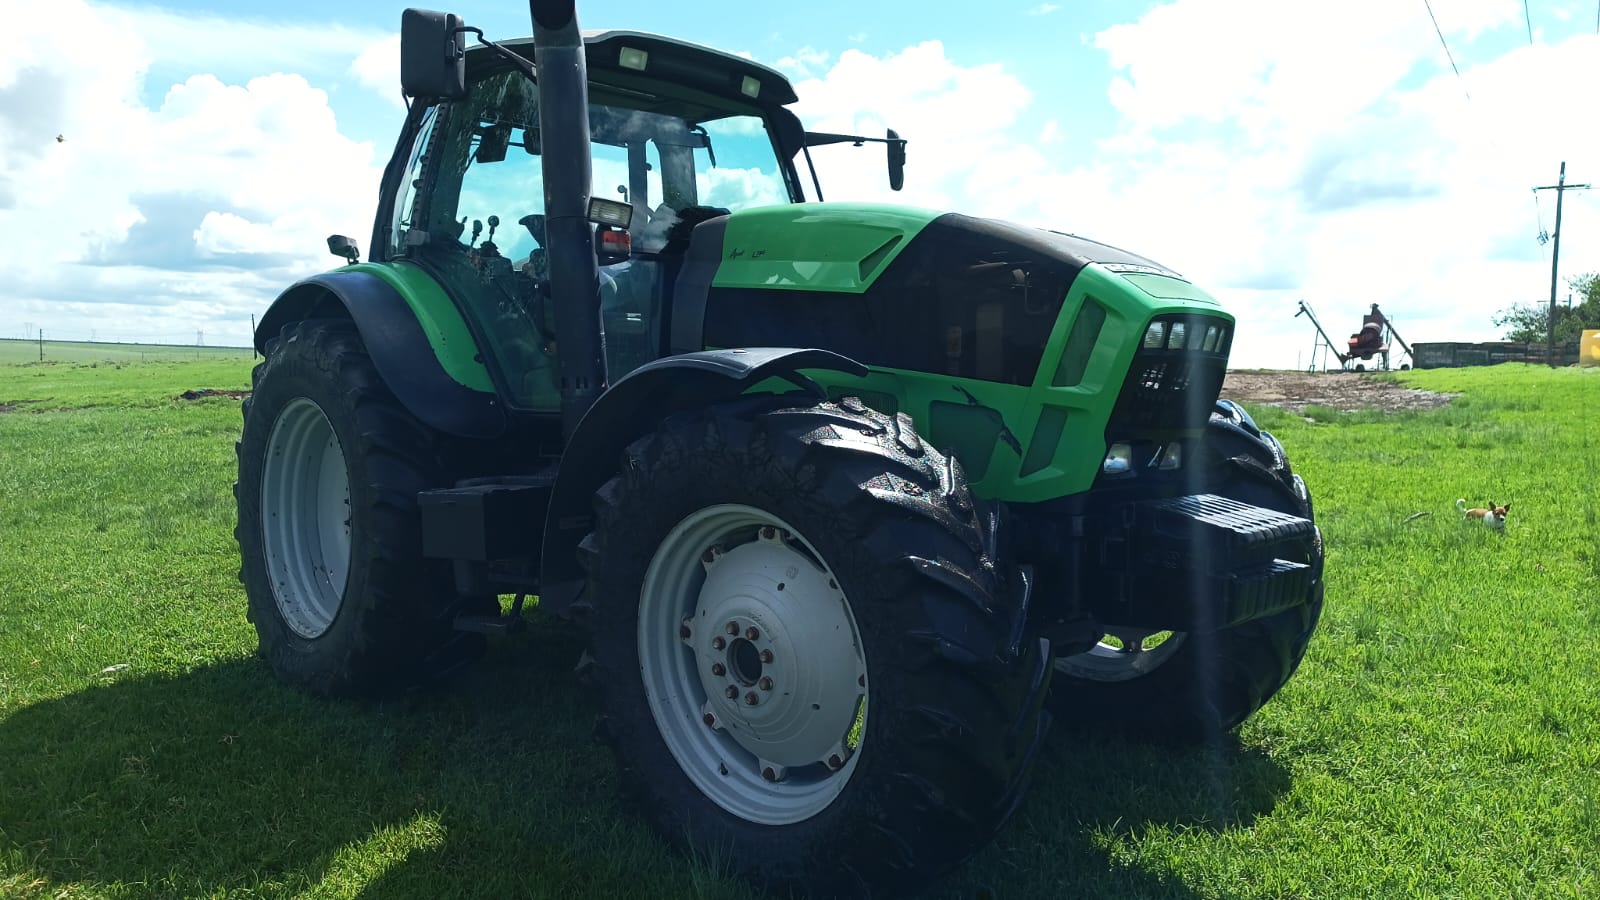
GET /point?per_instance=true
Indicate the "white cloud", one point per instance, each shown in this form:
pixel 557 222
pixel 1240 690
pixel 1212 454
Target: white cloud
pixel 378 68
pixel 805 62
pixel 1346 170
pixel 159 221
pixel 956 119
pixel 206 42
pixel 1342 171
pixel 1043 9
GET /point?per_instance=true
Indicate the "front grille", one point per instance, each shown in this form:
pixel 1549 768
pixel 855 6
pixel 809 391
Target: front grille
pixel 1175 378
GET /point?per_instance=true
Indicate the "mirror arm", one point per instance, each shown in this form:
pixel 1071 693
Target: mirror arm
pixel 523 65
pixel 806 149
pixel 822 138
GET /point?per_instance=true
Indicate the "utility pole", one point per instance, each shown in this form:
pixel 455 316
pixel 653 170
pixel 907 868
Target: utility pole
pixel 1560 187
pixel 41 345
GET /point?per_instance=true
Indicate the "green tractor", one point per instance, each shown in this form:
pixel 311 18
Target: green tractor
pixel 851 500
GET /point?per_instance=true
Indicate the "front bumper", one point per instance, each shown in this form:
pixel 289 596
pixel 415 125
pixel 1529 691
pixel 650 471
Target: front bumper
pixel 1197 563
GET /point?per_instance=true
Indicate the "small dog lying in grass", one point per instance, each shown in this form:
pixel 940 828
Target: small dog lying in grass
pixel 1494 516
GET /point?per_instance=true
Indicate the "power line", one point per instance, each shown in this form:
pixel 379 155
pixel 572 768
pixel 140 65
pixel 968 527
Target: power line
pixel 1446 44
pixel 1529 19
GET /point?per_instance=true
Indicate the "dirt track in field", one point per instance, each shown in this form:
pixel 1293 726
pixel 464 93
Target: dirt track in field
pixel 1350 391
pixel 211 392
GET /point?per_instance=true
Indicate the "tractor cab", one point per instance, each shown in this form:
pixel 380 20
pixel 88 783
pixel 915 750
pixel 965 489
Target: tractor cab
pixel 678 133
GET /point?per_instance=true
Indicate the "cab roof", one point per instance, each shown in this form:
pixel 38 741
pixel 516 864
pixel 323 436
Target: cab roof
pixel 670 60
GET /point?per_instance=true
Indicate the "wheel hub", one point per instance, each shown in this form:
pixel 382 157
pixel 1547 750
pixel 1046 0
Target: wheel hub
pixel 766 640
pixel 758 683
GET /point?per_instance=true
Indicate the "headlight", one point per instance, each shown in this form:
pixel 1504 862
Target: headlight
pixel 1170 457
pixel 1119 459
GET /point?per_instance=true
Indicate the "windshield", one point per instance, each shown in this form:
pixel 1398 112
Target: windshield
pixel 658 162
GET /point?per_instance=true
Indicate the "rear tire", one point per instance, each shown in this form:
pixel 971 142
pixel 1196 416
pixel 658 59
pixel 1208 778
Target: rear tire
pixel 1188 687
pixel 733 525
pixel 329 530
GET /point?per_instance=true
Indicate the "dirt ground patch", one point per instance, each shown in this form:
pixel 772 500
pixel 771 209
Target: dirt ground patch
pixel 1349 391
pixel 209 392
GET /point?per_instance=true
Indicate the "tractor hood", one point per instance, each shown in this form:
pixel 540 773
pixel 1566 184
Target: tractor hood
pixel 848 247
pixel 863 279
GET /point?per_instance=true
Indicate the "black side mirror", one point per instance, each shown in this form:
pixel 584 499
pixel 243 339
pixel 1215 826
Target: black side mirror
pixel 493 143
pixel 897 161
pixel 339 245
pixel 432 55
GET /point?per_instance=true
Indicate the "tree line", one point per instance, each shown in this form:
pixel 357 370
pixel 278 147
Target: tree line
pixel 1530 322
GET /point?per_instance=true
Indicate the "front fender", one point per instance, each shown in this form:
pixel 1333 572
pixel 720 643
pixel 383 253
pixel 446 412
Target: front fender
pixel 634 406
pixel 398 345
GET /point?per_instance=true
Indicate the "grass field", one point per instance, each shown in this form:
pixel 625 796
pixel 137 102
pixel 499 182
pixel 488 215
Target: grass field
pixel 101 353
pixel 1441 739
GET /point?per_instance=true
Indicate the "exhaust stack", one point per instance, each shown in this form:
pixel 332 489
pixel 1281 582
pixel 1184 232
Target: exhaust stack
pixel 569 237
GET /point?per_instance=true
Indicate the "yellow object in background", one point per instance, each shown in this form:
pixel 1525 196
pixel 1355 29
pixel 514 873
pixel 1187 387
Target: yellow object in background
pixel 1589 349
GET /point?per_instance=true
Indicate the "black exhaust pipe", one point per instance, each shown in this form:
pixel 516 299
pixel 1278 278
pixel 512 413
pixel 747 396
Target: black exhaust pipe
pixel 569 238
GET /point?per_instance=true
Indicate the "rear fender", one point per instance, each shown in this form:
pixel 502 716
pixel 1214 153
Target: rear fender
pixel 398 345
pixel 631 408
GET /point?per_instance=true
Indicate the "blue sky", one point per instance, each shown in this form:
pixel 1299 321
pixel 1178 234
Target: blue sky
pixel 1270 151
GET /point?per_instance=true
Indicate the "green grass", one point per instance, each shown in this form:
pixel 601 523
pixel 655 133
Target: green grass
pixel 1441 739
pixel 103 353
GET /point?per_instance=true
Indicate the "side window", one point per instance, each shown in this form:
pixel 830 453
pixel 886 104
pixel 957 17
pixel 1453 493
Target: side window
pixel 406 202
pixel 484 220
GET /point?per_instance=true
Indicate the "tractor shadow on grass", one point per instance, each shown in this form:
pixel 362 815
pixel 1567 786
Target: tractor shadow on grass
pixel 223 781
pixel 1095 795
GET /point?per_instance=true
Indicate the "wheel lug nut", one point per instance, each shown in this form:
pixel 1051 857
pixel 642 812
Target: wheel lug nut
pixel 718 669
pixel 766 683
pixel 751 699
pixel 769 532
pixel 769 774
pixel 834 762
pixel 861 681
pixel 717 643
pixel 709 719
pixel 731 628
pixel 766 656
pixel 683 632
pixel 731 692
pixel 709 556
pixel 752 633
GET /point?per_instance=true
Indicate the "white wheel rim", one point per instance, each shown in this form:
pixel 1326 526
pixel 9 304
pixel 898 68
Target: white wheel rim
pixel 752 664
pixel 1122 654
pixel 305 518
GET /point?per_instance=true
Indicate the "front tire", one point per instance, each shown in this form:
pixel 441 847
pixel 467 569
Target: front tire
pixel 1185 687
pixel 807 660
pixel 329 529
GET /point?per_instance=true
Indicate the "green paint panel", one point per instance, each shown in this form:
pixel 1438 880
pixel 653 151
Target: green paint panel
pixel 1164 288
pixel 839 247
pixel 1046 440
pixel 971 432
pixel 1060 428
pixel 1081 342
pixel 447 332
